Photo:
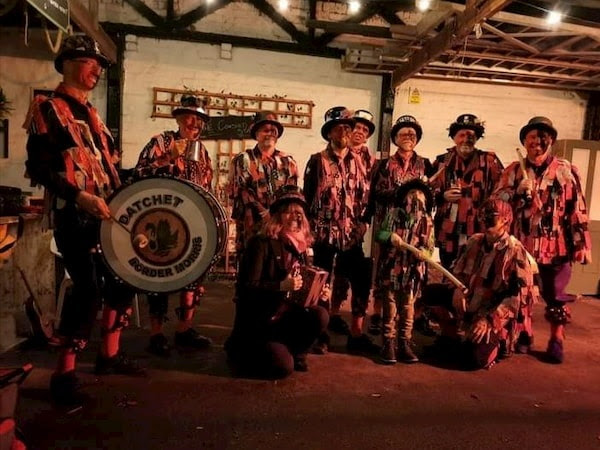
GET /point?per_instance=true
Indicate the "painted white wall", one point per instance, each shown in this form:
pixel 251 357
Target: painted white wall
pixel 505 110
pixel 171 64
pixel 18 78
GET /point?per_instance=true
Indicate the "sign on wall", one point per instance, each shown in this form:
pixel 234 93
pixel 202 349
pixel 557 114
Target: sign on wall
pixel 227 127
pixel 56 11
pixel 291 113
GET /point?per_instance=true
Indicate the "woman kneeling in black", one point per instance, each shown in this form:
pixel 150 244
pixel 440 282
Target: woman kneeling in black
pixel 272 334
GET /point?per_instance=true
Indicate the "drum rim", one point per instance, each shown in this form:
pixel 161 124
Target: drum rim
pixel 219 246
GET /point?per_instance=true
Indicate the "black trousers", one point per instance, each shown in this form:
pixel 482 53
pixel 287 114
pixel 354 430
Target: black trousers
pixel 270 353
pixel 352 269
pixel 76 237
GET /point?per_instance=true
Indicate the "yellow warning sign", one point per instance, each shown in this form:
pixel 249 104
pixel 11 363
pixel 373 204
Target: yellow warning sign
pixel 414 96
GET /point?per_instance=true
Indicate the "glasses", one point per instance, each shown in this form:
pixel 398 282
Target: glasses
pixel 411 136
pixel 90 62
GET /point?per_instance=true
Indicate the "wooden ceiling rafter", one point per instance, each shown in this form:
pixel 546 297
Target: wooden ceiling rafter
pixel 452 32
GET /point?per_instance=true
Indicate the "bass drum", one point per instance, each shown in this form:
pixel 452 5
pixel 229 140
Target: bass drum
pixel 165 234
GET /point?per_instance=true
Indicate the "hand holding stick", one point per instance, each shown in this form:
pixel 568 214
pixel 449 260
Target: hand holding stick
pixel 419 254
pixel 140 240
pixel 524 169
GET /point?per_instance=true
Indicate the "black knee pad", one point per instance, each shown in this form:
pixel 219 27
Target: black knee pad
pixel 558 314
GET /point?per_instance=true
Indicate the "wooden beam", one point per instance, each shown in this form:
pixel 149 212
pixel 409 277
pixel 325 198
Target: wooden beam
pixel 389 16
pixel 213 38
pixel 433 18
pixel 452 32
pixel 194 15
pixel 565 43
pixel 507 37
pixel 529 21
pixel 81 16
pixel 365 13
pixel 170 10
pixel 525 60
pixel 312 15
pixel 267 9
pixel 146 12
pixel 351 28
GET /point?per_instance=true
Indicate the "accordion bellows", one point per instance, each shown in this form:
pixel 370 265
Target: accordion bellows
pixel 313 280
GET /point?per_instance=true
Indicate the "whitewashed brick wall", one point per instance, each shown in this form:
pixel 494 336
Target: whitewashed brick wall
pixel 18 84
pixel 505 110
pixel 171 64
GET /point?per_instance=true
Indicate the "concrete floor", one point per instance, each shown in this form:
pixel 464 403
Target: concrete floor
pixel 191 401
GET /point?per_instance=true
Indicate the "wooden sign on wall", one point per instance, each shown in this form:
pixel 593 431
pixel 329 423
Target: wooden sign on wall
pixel 227 127
pixel 291 113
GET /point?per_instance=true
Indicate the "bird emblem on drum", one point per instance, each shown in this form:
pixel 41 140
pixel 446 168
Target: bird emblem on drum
pixel 161 239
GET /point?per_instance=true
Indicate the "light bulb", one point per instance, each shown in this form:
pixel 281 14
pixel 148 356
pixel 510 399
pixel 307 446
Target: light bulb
pixel 284 5
pixel 354 6
pixel 554 17
pixel 423 5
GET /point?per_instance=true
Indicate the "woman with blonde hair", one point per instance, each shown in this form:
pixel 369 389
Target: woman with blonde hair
pixel 271 333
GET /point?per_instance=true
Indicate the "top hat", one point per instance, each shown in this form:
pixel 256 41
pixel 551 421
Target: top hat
pixel 263 117
pixel 191 104
pixel 365 117
pixel 538 123
pixel 79 46
pixel 467 122
pixel 403 190
pixel 289 193
pixel 406 121
pixel 496 207
pixel 335 116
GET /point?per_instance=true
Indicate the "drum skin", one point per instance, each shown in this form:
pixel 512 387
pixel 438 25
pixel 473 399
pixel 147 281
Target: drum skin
pixel 185 225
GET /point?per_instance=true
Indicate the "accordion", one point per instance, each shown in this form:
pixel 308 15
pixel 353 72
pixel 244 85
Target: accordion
pixel 313 280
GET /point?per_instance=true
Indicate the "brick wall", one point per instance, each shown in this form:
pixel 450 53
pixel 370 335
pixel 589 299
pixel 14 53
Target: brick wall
pixel 505 109
pixel 18 84
pixel 171 64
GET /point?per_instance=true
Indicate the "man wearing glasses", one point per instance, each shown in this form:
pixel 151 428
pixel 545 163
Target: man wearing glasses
pixel 389 174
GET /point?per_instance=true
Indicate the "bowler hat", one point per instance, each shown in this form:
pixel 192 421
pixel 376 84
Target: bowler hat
pixel 79 46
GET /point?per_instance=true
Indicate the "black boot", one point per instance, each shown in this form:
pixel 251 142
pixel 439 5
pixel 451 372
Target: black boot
pixel 405 352
pixel 388 353
pixel 119 365
pixel 190 338
pixel 159 345
pixel 64 390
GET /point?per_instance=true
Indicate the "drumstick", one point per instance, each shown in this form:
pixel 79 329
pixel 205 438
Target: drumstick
pixel 524 169
pixel 455 281
pixel 140 240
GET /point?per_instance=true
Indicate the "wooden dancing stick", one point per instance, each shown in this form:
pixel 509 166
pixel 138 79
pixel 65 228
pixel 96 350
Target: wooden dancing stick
pixel 418 253
pixel 524 169
pixel 437 174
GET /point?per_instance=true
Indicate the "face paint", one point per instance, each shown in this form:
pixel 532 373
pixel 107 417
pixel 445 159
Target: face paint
pixel 545 140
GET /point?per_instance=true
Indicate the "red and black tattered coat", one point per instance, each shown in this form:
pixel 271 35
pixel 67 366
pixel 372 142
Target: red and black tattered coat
pixel 69 149
pixel 388 174
pixel 367 162
pixel 554 224
pixel 255 177
pixel 477 178
pixel 164 155
pixel 333 187
pixel 500 278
